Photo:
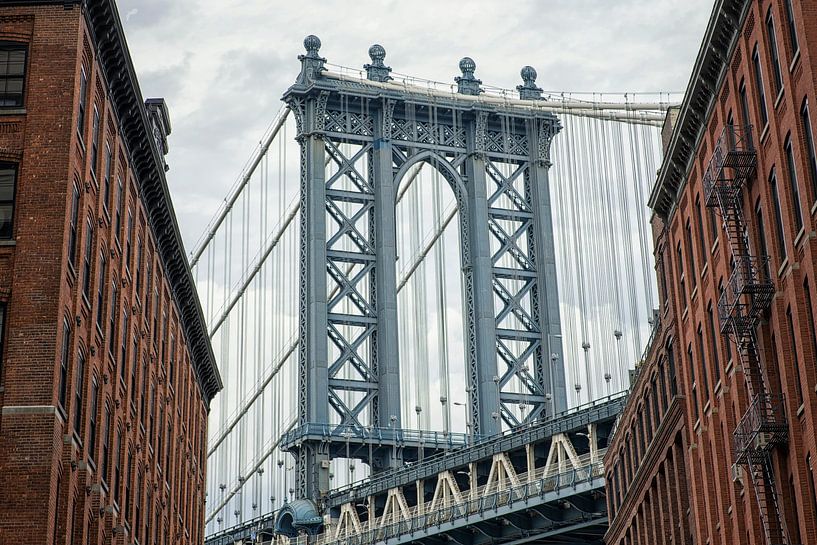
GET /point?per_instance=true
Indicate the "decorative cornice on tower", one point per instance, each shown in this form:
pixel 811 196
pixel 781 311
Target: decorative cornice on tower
pixel 467 84
pixel 529 90
pixel 377 71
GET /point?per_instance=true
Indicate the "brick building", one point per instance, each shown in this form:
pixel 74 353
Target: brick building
pixel 736 251
pixel 106 371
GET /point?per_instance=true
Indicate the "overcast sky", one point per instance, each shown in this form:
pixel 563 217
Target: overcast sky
pixel 223 65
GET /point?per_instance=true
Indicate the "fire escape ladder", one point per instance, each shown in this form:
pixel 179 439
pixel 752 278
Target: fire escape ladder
pixel 745 298
pixel 767 500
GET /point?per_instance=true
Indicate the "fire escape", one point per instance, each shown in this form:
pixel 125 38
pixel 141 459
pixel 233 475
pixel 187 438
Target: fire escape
pixel 746 297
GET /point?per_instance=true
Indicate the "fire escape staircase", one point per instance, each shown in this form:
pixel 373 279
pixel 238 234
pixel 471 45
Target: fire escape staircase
pixel 747 295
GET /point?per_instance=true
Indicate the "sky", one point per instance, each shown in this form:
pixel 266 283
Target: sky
pixel 222 66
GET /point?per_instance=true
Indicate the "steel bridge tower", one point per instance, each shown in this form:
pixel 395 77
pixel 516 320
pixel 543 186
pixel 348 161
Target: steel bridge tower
pixel 358 140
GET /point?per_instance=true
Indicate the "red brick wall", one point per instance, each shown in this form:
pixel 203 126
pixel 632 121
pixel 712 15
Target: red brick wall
pixel 38 445
pixel 723 511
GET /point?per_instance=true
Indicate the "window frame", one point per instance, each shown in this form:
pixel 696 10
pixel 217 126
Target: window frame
pixel 794 42
pixel 86 259
pixel 11 45
pixel 759 87
pixel 774 188
pixel 794 187
pixel 14 168
pixel 774 51
pixel 73 227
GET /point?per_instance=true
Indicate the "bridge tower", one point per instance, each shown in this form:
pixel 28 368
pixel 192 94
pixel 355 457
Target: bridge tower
pixel 358 139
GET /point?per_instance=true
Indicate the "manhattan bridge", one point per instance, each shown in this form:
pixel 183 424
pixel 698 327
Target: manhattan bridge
pixel 427 300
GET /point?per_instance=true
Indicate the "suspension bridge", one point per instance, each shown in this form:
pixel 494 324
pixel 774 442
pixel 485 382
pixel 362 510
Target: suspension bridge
pixel 426 300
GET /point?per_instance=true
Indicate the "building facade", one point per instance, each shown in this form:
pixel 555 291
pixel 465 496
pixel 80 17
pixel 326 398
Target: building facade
pixel 106 371
pixel 736 254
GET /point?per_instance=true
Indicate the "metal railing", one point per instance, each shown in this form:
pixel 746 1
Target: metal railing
pixel 435 462
pixel 388 436
pixel 735 150
pixel 761 428
pixel 748 292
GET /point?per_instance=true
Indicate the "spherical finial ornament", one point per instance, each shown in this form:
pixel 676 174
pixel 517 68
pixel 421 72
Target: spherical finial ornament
pixel 312 44
pixel 377 53
pixel 528 74
pixel 467 65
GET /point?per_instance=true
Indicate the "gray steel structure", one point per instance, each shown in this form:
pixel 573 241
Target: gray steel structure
pixel 495 158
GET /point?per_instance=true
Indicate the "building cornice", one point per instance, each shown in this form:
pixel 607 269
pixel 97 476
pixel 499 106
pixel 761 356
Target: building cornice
pixel 147 164
pixel 710 68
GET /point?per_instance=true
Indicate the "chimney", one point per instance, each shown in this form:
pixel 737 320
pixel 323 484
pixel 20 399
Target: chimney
pixel 159 125
pixel 668 127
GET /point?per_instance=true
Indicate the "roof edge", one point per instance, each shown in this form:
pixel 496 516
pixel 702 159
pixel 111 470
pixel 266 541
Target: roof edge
pixel 717 47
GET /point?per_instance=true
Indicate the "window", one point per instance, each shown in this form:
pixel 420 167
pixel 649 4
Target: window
pixel 83 96
pixel 778 74
pixel 8 187
pixel 86 260
pixel 160 434
pixel 778 219
pixel 128 239
pixel 106 182
pixel 128 469
pixel 2 332
pixel 690 256
pixel 798 387
pixel 65 354
pixel 117 472
pixel 662 385
pixel 810 318
pixel 713 342
pixel 812 491
pixel 694 386
pixel 805 119
pixel 795 46
pixel 134 364
pixel 92 420
pixel 138 265
pixel 795 191
pixel 143 395
pixel 112 318
pixel 727 342
pixel 167 448
pixel 100 289
pixel 681 279
pixel 702 357
pixel 701 233
pixel 123 349
pixel 94 142
pixel 78 392
pixel 152 403
pixel 137 523
pixel 12 74
pixel 172 358
pixel 745 117
pixel 120 195
pixel 73 227
pixel 761 95
pixel 762 248
pixel 149 289
pixel 106 433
